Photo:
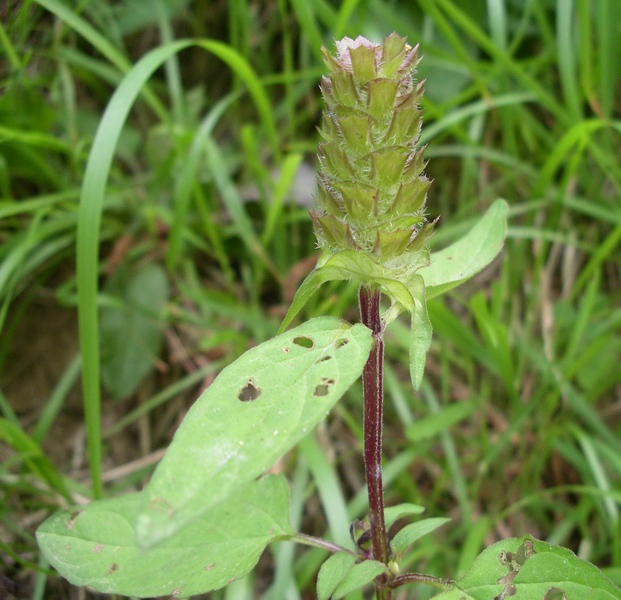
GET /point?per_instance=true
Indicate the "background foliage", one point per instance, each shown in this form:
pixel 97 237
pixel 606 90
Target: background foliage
pixel 205 236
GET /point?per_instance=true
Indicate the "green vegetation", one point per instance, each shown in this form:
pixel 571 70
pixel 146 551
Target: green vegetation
pixel 187 227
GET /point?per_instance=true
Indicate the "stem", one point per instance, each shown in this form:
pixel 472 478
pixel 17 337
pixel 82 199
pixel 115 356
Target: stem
pixel 309 540
pixel 373 392
pixel 443 584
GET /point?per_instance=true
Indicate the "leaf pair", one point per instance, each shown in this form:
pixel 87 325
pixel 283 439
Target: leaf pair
pixel 204 518
pixel 447 269
pixel 344 572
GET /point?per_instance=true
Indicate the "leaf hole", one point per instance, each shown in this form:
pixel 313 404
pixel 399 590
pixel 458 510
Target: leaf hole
pixel 323 389
pixel 286 350
pixel 507 592
pixel 303 342
pixel 341 342
pixel 324 358
pixel 113 568
pixel 555 593
pixel 249 392
pixel 514 561
pixel 73 518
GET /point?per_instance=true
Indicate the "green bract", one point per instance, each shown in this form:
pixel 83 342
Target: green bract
pixel 372 189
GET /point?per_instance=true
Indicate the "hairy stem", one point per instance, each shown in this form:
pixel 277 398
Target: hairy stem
pixel 309 540
pixel 406 578
pixel 373 392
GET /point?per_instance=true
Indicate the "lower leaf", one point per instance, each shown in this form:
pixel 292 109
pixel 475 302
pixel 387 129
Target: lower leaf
pixel 96 545
pixel 531 570
pixel 341 574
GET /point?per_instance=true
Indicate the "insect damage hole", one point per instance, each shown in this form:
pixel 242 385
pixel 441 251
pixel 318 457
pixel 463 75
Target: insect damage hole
pixel 513 562
pixel 324 358
pixel 249 392
pixel 323 389
pixel 508 591
pixel 555 593
pixel 72 519
pixel 303 341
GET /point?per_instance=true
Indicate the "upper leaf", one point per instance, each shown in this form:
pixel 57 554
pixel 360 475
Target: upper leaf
pixel 411 533
pixel 469 255
pixel 256 410
pixel 393 513
pixel 96 545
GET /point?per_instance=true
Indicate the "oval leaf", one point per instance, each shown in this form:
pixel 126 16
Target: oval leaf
pixel 332 572
pixel 469 255
pixel 393 513
pixel 358 576
pixel 131 333
pixel 410 534
pixel 96 545
pixel 256 410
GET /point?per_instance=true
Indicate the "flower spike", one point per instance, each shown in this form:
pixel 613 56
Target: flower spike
pixel 372 187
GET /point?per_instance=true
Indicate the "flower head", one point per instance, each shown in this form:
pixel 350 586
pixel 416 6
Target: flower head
pixel 372 189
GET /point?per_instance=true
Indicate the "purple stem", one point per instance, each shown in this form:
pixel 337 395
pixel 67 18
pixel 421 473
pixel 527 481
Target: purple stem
pixel 373 392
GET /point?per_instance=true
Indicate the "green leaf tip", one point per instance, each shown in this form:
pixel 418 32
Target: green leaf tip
pixel 467 256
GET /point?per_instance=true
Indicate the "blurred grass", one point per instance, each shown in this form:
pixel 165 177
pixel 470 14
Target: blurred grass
pixel 123 145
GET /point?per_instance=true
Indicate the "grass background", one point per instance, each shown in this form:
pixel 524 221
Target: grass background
pixel 155 191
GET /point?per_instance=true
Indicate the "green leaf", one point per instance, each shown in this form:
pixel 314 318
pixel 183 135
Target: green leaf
pixel 413 532
pixel 332 572
pixel 408 295
pixel 340 575
pixel 96 545
pixel 440 421
pixel 131 335
pixel 358 576
pixel 32 455
pixel 393 513
pixel 421 332
pixel 469 255
pixel 256 410
pixel 531 570
pixel 347 265
pixel 303 294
